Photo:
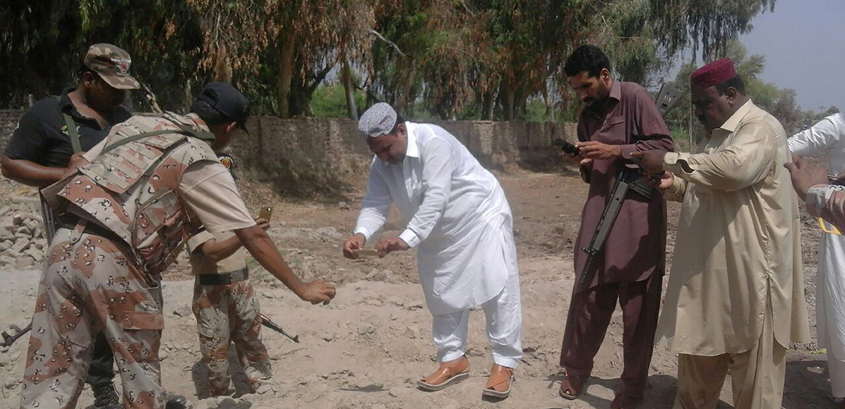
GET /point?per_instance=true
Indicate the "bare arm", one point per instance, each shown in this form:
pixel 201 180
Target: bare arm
pixel 219 250
pixel 258 244
pixel 30 173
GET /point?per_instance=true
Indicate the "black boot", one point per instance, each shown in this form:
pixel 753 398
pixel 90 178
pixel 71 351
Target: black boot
pixel 176 402
pixel 105 397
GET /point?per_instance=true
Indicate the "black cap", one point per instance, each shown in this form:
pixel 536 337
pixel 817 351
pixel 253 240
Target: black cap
pixel 226 99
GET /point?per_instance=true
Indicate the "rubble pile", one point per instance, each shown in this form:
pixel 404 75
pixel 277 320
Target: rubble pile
pixel 22 239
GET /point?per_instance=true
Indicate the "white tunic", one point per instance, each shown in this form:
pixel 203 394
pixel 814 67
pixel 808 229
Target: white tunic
pixel 828 136
pixel 457 212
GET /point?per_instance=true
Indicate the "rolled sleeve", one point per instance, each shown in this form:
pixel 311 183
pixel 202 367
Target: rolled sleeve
pixel 210 191
pixel 196 241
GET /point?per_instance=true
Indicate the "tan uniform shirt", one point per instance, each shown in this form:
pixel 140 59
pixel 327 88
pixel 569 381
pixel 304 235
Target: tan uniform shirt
pixel 738 242
pixel 210 192
pixel 204 265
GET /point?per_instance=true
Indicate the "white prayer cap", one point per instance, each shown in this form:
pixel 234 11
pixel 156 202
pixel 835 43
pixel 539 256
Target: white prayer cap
pixel 378 120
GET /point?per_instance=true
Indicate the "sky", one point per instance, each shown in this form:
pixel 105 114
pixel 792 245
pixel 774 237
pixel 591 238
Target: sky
pixel 804 45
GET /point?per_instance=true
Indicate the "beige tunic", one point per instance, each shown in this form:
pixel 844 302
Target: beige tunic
pixel 738 242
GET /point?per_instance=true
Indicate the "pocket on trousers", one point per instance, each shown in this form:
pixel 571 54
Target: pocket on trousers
pixel 140 320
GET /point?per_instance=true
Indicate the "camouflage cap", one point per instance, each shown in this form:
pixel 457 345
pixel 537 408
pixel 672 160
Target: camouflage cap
pixel 112 64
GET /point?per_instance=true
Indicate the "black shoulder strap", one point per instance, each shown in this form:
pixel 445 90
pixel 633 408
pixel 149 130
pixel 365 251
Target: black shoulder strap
pixel 72 130
pixel 184 130
pixel 141 135
pixel 187 130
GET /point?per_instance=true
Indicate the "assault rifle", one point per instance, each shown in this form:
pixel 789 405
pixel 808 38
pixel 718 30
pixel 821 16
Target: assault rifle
pixel 8 340
pixel 627 179
pixel 267 322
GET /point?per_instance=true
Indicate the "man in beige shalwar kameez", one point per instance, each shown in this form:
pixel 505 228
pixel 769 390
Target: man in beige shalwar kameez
pixel 735 297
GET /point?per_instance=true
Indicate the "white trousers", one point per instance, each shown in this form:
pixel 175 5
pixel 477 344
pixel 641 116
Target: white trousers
pixel 837 375
pixel 504 328
pixel 836 369
pixel 830 308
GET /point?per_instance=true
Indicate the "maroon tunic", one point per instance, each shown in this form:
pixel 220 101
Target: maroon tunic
pixel 636 245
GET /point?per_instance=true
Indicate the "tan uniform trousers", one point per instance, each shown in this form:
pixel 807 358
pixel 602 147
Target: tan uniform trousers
pixel 90 285
pixel 757 375
pixel 230 314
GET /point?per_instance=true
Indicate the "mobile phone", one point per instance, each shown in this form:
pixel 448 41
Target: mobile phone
pixel 567 147
pixel 266 212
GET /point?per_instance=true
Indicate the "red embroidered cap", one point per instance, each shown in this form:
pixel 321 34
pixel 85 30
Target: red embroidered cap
pixel 714 73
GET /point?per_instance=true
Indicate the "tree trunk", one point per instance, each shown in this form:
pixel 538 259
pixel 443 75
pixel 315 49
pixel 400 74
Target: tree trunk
pixel 487 101
pixel 550 109
pixel 403 100
pixel 349 88
pixel 187 98
pixel 222 69
pixel 508 104
pixel 286 72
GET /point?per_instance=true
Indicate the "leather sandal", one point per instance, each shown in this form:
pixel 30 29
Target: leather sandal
pixel 449 373
pixel 624 401
pixel 499 382
pixel 572 385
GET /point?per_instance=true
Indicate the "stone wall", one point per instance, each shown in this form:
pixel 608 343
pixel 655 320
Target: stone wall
pixel 317 153
pixel 8 121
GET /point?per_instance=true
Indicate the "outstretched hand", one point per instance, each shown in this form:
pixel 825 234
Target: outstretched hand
pixel 389 244
pixel 805 175
pixel 351 244
pixel 317 292
pixel 649 161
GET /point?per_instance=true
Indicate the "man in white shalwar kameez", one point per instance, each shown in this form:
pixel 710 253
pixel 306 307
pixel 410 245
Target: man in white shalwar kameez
pixel 461 224
pixel 828 136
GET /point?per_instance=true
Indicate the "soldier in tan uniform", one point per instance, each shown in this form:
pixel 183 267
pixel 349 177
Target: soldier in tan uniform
pixel 227 310
pixel 126 212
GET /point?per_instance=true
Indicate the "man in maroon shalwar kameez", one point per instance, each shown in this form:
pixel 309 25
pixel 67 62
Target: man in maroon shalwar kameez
pixel 619 118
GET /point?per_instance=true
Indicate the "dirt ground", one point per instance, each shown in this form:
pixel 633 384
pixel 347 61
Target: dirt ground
pixel 369 346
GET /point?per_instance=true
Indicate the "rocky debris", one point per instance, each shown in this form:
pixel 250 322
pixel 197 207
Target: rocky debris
pixel 22 240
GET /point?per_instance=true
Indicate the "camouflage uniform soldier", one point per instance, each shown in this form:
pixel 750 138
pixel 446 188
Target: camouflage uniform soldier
pixel 53 130
pixel 226 309
pixel 126 212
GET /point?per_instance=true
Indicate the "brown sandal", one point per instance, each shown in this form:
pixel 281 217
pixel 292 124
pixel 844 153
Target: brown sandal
pixel 499 383
pixel 448 373
pixel 571 386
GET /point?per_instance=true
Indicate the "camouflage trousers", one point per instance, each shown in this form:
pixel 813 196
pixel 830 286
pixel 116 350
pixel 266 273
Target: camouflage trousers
pixel 230 314
pixel 90 284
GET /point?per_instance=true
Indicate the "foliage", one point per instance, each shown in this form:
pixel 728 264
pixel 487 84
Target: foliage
pixel 447 59
pixel 329 102
pixel 779 102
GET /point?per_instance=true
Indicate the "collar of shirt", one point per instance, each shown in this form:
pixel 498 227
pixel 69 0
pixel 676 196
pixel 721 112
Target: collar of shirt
pixel 67 107
pixel 732 124
pixel 411 131
pixel 609 104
